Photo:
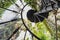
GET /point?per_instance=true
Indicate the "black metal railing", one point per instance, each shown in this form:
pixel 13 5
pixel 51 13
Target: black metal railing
pixel 45 4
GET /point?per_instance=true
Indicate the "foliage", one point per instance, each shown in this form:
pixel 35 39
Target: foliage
pixel 41 31
pixel 32 3
pixel 5 4
pixel 6 30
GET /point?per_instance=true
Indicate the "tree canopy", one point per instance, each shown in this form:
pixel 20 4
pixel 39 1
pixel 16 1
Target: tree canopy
pixel 5 4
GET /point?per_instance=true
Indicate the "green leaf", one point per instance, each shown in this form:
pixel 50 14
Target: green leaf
pixel 5 4
pixel 32 4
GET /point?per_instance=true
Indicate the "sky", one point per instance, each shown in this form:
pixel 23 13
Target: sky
pixel 8 15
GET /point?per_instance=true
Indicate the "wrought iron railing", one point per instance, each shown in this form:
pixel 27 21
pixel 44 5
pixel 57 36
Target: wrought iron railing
pixel 46 7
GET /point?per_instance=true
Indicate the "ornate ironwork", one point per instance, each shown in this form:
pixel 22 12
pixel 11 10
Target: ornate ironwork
pixel 46 7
